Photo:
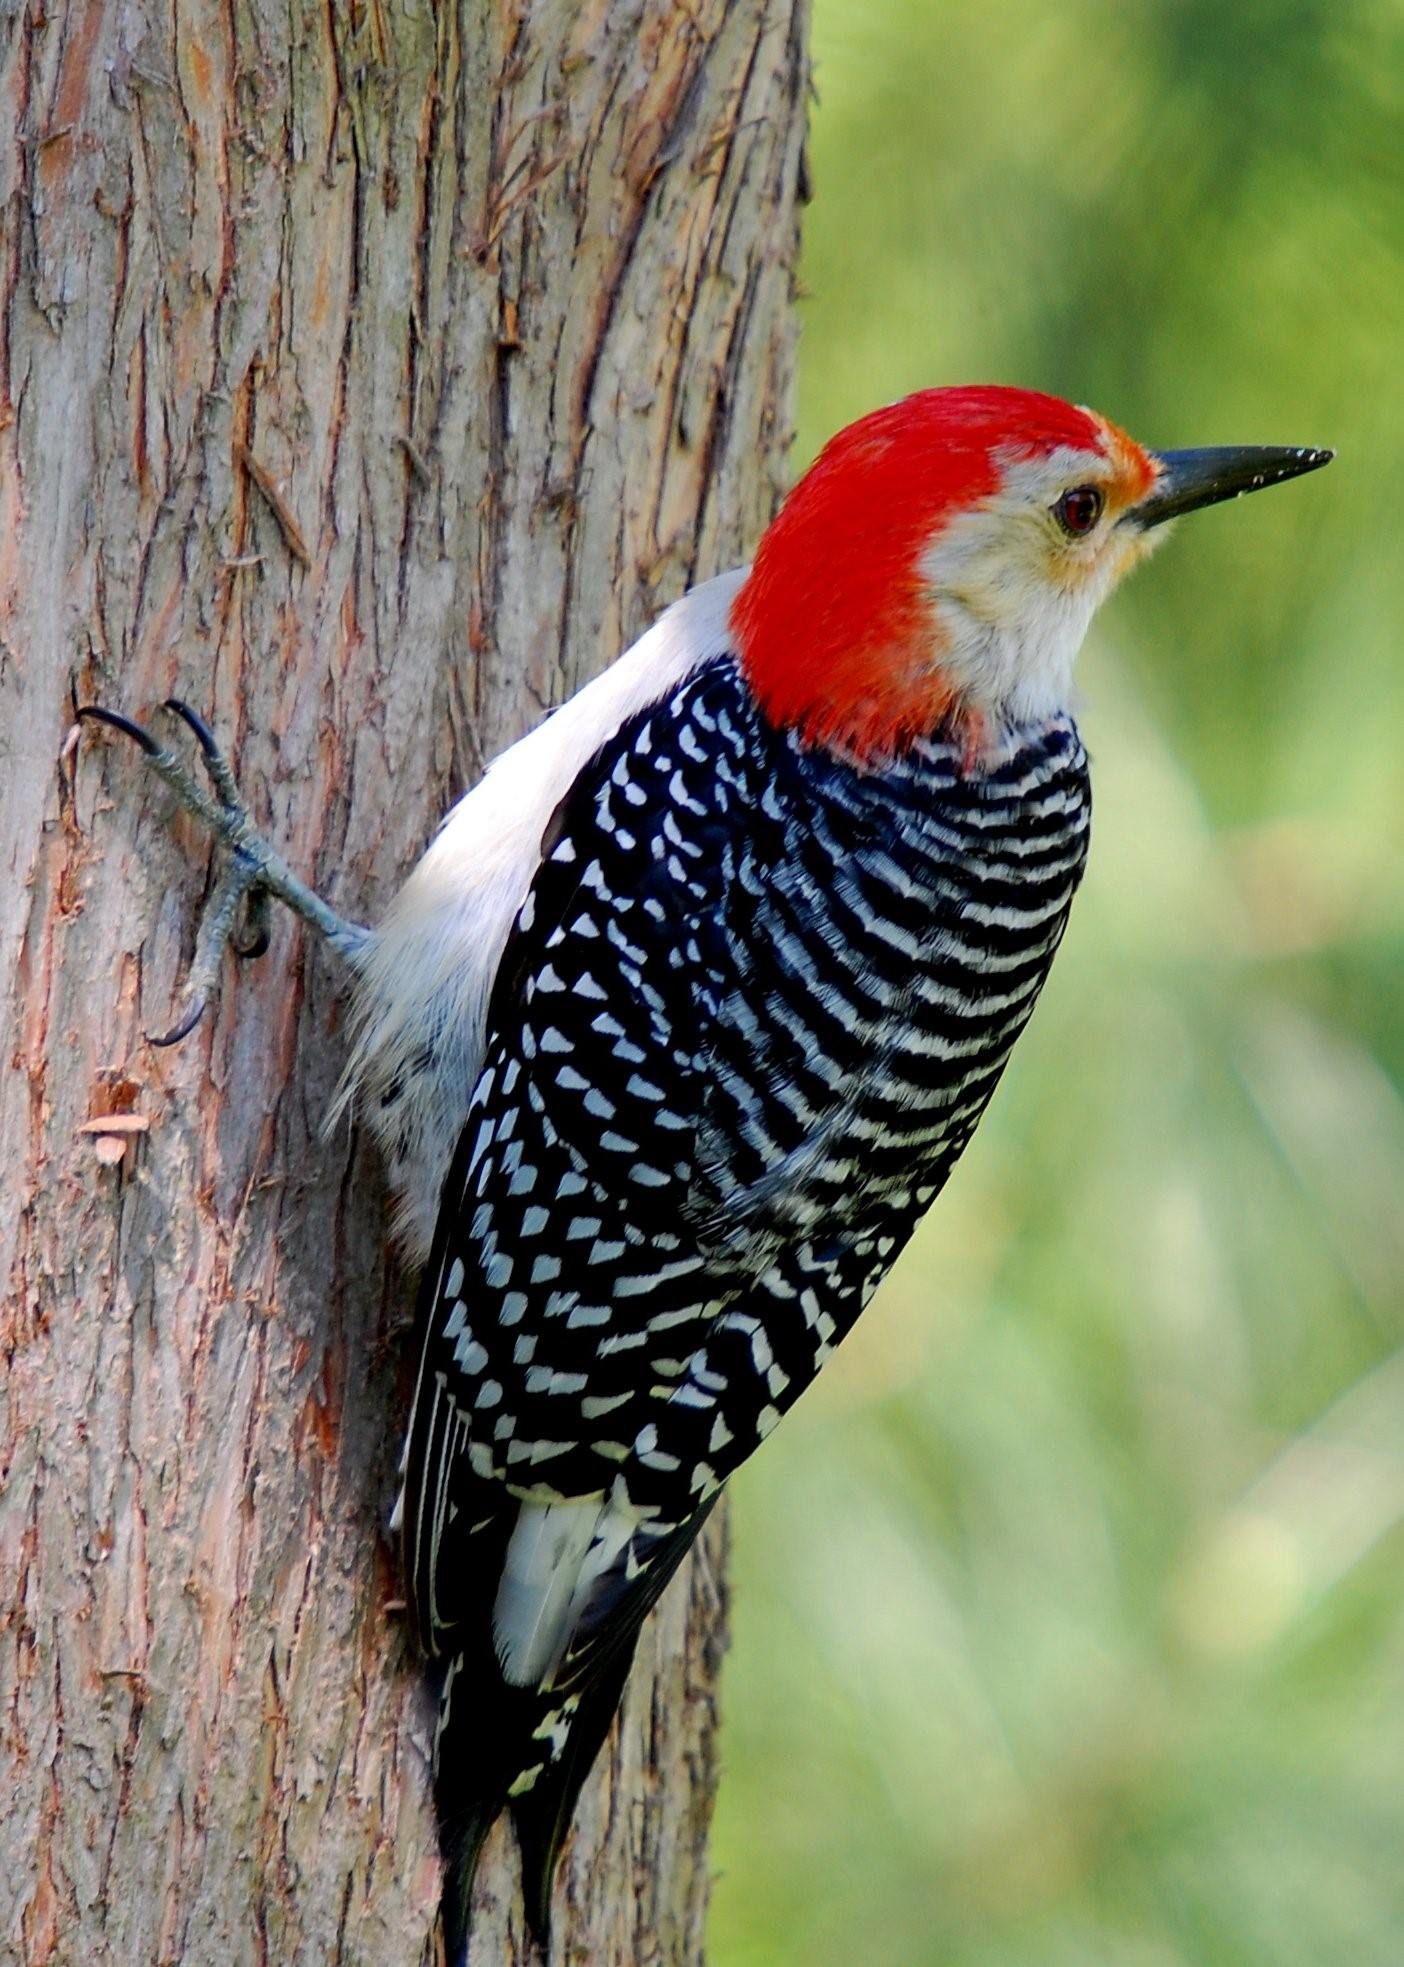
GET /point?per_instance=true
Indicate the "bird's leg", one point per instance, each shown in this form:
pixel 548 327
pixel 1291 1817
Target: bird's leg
pixel 254 870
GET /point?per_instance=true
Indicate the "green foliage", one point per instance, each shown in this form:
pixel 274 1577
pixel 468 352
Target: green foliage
pixel 1070 1625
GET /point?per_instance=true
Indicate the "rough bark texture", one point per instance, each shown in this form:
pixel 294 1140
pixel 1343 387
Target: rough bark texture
pixel 370 371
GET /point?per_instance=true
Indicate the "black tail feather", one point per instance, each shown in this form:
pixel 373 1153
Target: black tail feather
pixel 461 1842
pixel 476 1760
pixel 542 1814
pixel 492 1733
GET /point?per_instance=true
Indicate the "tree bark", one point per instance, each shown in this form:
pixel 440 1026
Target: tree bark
pixel 370 372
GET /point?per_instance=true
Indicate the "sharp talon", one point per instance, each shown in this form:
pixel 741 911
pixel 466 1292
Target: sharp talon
pixel 216 764
pixel 197 724
pixel 252 873
pixel 182 1030
pixel 122 724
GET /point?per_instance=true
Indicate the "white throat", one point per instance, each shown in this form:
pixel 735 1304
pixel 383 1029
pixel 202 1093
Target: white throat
pixel 1019 670
pixel 1010 610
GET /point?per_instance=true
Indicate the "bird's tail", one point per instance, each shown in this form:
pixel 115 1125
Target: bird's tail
pixel 514 1748
pixel 461 1841
pixel 542 1813
pixel 529 1749
pixel 466 1808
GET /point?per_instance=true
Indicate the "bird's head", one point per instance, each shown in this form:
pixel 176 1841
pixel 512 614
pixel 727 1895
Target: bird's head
pixel 942 558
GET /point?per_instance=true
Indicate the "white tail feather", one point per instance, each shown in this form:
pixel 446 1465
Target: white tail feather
pixel 557 1552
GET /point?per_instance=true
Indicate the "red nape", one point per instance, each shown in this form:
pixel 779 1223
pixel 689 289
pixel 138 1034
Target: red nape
pixel 832 625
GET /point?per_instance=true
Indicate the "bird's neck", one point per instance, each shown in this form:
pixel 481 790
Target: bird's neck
pixel 865 683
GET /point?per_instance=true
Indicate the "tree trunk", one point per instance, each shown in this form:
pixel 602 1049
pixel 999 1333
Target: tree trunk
pixel 370 372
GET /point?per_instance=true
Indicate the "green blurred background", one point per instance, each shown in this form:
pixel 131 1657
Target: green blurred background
pixel 1070 1606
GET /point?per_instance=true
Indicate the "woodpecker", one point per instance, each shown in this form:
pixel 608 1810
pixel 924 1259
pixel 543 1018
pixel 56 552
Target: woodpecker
pixel 685 1016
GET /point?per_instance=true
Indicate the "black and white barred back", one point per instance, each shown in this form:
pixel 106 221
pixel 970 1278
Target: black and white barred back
pixel 751 1012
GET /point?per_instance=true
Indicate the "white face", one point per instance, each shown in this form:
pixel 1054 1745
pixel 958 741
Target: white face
pixel 1013 589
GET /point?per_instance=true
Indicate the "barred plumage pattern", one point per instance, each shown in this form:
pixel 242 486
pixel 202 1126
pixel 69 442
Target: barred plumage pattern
pixel 751 1013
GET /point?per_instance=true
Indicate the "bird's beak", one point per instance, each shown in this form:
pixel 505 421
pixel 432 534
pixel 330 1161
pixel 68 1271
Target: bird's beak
pixel 1188 479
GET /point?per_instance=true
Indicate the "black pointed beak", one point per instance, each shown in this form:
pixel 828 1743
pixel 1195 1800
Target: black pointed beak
pixel 1189 479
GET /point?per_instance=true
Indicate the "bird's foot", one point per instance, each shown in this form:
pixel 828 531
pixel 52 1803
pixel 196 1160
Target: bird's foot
pixel 236 914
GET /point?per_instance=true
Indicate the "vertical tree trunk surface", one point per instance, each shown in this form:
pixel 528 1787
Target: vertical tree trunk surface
pixel 370 372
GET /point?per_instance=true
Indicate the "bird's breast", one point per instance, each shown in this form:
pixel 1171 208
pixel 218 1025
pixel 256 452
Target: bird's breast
pixel 885 947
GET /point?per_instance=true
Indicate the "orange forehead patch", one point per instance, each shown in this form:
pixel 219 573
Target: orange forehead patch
pixel 1133 469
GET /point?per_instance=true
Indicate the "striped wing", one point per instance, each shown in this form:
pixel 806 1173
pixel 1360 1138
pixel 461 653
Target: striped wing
pixel 753 1009
pixel 567 1285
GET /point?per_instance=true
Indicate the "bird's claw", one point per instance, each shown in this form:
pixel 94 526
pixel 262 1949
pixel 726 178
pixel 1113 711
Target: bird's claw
pixel 216 764
pixel 233 814
pixel 136 732
pixel 182 1030
pixel 252 873
pixel 238 893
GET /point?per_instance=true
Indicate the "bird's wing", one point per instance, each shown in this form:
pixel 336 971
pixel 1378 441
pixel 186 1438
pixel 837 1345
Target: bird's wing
pixel 620 1300
pixel 599 1350
pixel 567 1288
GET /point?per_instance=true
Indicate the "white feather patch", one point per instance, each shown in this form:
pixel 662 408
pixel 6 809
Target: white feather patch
pixel 557 1554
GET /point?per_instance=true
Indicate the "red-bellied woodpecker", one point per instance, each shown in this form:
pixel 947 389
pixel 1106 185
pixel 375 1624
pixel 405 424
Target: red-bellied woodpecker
pixel 685 1016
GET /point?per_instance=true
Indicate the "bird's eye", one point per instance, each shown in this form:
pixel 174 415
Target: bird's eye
pixel 1078 511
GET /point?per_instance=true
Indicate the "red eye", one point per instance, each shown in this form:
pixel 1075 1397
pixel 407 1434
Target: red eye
pixel 1079 510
